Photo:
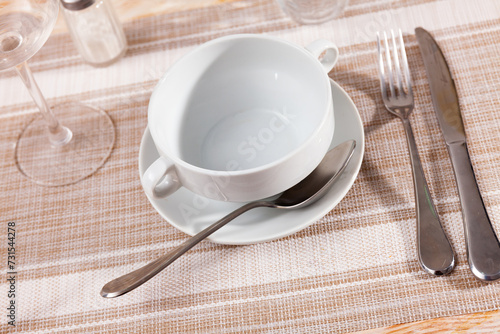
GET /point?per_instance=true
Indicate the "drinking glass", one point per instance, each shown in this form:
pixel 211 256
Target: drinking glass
pixel 62 144
pixel 313 11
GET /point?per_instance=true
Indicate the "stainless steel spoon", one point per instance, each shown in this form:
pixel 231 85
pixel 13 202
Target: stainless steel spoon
pixel 306 192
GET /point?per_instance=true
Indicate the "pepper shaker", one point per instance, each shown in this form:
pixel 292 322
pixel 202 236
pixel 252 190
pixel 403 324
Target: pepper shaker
pixel 95 29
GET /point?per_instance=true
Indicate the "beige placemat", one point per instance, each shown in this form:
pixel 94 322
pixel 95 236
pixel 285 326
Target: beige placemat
pixel 354 269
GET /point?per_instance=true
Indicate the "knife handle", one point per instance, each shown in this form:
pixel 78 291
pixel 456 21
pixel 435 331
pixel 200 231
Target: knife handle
pixel 434 249
pixel 483 248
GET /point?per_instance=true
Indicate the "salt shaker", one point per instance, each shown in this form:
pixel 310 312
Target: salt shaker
pixel 95 29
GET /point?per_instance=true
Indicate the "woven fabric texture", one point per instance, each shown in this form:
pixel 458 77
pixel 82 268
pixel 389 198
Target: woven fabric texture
pixel 354 269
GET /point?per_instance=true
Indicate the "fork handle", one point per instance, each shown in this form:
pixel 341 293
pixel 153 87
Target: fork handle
pixel 434 249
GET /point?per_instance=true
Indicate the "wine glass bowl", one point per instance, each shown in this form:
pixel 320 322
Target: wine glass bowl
pixel 25 26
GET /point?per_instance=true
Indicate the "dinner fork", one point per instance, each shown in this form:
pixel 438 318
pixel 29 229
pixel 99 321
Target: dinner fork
pixel 434 249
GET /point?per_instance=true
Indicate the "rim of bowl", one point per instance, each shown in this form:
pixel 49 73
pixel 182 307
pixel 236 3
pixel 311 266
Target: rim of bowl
pixel 328 108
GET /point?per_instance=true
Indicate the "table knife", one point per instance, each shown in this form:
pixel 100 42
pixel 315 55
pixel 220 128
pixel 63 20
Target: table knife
pixel 483 248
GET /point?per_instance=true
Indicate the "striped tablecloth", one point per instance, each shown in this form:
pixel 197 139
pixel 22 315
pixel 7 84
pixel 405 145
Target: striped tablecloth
pixel 72 240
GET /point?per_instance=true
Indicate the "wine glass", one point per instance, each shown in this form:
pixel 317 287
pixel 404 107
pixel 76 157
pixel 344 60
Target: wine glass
pixel 62 144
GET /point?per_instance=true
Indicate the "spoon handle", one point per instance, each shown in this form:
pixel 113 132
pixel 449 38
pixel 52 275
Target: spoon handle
pixel 130 281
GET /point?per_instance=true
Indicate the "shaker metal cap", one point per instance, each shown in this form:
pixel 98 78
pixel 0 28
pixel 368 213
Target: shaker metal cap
pixel 77 4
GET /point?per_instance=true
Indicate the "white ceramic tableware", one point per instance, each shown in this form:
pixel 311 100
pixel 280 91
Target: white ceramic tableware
pixel 191 213
pixel 241 118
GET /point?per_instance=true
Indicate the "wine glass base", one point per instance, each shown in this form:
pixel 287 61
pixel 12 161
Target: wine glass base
pixel 49 165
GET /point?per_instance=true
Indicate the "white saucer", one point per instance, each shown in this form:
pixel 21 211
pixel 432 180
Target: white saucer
pixel 191 213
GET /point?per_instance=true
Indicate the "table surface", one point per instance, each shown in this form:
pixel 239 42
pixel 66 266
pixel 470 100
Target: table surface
pixel 354 34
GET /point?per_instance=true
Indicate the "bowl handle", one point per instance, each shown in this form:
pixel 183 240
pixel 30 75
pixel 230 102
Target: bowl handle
pixel 326 52
pixel 160 179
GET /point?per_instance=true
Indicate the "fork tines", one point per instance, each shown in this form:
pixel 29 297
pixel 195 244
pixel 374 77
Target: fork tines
pixel 399 84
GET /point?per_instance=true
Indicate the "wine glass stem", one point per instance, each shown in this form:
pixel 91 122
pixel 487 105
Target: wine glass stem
pixel 58 135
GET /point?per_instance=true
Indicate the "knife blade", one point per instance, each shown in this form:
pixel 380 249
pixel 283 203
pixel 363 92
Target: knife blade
pixel 483 248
